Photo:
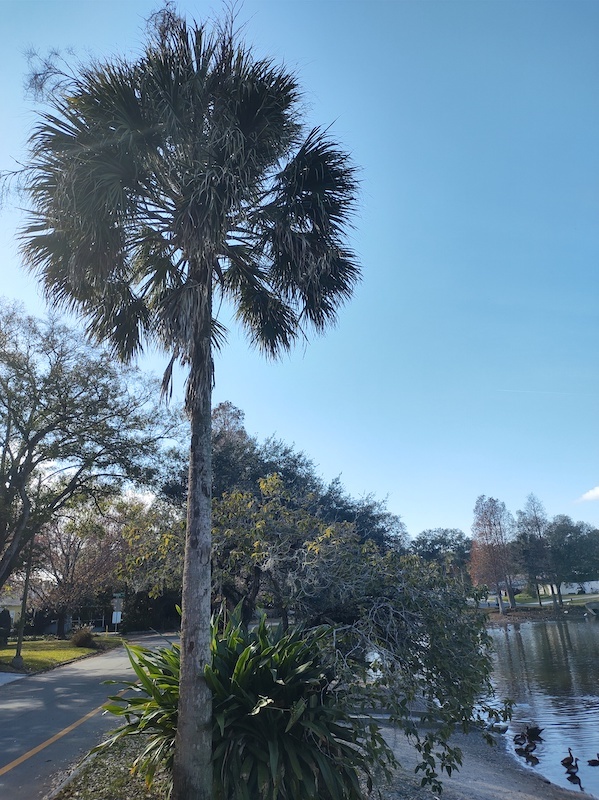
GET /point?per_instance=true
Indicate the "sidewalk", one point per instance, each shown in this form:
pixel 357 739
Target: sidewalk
pixel 49 721
pixel 9 677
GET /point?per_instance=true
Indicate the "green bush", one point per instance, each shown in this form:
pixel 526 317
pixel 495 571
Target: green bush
pixel 83 637
pixel 279 732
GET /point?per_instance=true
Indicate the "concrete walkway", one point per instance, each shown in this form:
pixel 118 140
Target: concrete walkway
pixel 49 721
pixel 9 677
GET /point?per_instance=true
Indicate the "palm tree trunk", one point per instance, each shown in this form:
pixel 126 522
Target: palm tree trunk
pixel 192 769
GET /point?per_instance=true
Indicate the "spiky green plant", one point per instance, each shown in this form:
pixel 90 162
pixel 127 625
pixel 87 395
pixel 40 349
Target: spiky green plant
pixel 279 731
pixel 150 709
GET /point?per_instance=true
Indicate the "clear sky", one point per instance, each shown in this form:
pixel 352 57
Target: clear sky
pixel 466 363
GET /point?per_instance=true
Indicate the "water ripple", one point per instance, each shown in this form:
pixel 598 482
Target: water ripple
pixel 550 670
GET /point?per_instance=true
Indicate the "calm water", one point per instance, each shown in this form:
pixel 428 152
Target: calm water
pixel 550 670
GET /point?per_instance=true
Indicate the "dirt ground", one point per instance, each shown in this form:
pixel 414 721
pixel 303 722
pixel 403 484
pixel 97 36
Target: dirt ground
pixel 488 773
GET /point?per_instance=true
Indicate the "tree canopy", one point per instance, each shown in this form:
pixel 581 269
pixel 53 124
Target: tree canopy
pixel 572 552
pixel 73 424
pixel 448 547
pixel 78 555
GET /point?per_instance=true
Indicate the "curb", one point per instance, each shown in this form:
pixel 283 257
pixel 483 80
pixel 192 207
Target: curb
pixel 74 773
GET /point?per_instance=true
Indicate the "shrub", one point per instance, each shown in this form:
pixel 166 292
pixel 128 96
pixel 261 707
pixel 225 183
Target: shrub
pixel 279 732
pixel 83 637
pixel 5 626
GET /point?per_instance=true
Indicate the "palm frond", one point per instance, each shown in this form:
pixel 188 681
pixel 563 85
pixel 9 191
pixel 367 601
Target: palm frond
pixel 272 324
pixel 155 179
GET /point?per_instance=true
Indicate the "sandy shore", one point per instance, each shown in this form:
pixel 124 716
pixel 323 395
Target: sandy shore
pixel 488 773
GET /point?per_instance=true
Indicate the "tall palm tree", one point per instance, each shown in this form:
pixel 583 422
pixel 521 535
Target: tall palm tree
pixel 160 186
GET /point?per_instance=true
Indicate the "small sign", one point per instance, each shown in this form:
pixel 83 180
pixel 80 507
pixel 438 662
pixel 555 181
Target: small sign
pixel 116 617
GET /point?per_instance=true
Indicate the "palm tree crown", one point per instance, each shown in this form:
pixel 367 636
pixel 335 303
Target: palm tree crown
pixel 158 182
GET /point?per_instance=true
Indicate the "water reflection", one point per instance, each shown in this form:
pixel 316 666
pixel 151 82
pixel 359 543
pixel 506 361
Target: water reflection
pixel 550 670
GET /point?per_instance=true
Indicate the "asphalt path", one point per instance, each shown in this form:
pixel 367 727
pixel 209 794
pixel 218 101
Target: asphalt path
pixel 49 721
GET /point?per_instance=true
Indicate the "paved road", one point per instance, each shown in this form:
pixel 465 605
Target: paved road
pixel 55 709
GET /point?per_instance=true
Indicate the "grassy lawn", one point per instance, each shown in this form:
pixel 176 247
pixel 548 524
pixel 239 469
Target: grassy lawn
pixel 42 654
pixel 569 599
pixel 580 599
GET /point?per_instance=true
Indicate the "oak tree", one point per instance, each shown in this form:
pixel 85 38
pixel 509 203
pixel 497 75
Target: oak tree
pixel 73 424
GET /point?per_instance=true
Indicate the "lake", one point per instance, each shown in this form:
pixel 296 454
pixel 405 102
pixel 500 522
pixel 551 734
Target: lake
pixel 550 670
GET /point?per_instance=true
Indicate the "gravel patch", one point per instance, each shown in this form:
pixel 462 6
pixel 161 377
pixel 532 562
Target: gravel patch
pixel 107 776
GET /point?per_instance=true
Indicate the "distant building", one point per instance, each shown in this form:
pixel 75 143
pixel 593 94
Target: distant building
pixel 12 601
pixel 588 587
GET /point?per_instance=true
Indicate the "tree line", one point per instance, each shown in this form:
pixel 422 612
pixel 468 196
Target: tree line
pixel 94 487
pixel 78 428
pixel 545 551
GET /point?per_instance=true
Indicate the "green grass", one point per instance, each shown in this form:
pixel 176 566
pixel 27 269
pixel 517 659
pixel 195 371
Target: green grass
pixel 524 597
pixel 579 599
pixel 569 599
pixel 43 654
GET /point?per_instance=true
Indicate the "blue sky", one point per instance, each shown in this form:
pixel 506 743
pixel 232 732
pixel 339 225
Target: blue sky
pixel 466 363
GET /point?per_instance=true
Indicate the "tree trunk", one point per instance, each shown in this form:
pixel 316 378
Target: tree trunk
pixel 511 593
pixel 61 624
pixel 17 660
pixel 249 601
pixel 192 768
pixel 500 600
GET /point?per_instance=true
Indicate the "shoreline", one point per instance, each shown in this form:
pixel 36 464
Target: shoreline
pixel 487 773
pixel 534 614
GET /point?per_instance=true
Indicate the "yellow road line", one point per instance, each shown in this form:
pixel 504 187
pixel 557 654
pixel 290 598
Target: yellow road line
pixel 48 742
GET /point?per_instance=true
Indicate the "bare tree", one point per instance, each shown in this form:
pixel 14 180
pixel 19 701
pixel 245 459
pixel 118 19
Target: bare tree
pixel 531 541
pixel 491 560
pixel 79 553
pixel 72 424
